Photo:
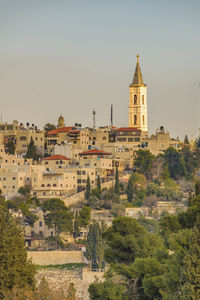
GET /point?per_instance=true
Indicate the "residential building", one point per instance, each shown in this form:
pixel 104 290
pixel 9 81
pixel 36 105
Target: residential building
pixel 21 136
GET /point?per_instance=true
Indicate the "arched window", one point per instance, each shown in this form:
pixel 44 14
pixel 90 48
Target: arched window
pixel 42 185
pixel 135 119
pixel 48 185
pixel 135 99
pixel 142 99
pixel 54 185
pixel 143 120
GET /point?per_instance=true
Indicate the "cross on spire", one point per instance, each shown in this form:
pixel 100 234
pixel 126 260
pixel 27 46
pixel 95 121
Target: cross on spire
pixel 137 58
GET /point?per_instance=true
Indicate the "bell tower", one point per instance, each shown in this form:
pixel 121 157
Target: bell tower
pixel 138 101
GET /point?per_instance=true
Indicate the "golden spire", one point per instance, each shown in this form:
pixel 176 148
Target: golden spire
pixel 137 79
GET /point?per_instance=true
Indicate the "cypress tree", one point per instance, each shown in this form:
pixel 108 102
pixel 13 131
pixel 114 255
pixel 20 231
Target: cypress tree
pixel 99 184
pixel 130 189
pixel 32 151
pixel 88 189
pixel 76 225
pixel 116 181
pixel 10 147
pixel 186 140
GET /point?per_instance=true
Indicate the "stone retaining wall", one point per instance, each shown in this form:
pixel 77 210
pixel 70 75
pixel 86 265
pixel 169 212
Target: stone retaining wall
pixel 44 258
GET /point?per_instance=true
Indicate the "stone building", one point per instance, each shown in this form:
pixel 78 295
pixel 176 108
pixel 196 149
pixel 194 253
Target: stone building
pixel 160 141
pixel 21 136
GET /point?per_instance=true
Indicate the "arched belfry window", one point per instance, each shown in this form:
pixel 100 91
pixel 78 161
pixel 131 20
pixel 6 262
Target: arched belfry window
pixel 135 99
pixel 142 99
pixel 135 119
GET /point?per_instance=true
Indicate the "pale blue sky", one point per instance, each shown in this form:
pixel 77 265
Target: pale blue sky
pixel 72 56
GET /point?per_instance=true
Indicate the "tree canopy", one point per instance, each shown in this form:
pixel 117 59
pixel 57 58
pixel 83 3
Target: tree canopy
pixel 15 269
pixel 57 215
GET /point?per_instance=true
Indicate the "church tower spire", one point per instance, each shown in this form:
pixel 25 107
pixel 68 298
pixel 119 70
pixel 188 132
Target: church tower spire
pixel 138 101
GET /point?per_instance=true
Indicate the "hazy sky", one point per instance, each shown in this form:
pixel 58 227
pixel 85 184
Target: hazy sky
pixel 62 56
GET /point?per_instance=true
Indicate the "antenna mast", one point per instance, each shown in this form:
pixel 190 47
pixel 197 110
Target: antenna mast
pixel 111 115
pixel 94 119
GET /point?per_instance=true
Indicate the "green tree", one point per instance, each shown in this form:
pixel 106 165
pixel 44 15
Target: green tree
pixel 57 215
pixel 82 219
pixel 190 270
pixel 130 189
pixel 71 292
pixel 15 269
pixel 95 244
pixel 144 162
pixel 24 190
pixel 10 147
pixel 197 187
pixel 175 163
pixel 88 189
pixel 84 216
pixel 186 140
pixel 49 126
pixel 28 216
pixel 127 241
pixel 116 180
pixel 179 244
pixel 76 225
pixel 32 151
pixel 99 184
pixel 189 160
pixel 107 291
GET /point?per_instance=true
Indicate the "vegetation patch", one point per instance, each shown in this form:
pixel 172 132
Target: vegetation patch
pixel 69 266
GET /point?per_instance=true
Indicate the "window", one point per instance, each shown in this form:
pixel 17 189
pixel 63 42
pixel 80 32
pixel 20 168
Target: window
pixel 130 139
pixel 48 185
pixel 143 120
pixel 14 178
pixel 41 233
pixel 135 119
pixel 46 162
pixel 51 233
pixel 42 185
pixel 23 146
pixel 54 185
pixel 83 172
pixel 40 224
pixel 121 139
pixel 32 233
pixel 135 99
pixel 142 99
pixel 78 172
pixel 22 138
pixel 13 187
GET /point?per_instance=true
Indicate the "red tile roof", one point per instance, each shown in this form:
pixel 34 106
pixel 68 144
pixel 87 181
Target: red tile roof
pixel 62 129
pixel 94 152
pixel 56 157
pixel 128 129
